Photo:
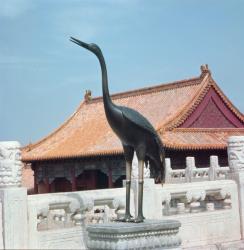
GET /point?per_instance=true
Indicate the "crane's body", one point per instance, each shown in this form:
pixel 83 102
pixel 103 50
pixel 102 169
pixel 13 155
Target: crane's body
pixel 135 133
pixel 140 136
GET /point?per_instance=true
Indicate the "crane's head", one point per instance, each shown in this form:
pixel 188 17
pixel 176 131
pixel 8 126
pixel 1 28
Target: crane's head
pixel 90 46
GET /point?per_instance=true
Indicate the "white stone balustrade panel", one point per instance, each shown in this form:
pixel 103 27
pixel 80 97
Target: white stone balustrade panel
pixel 223 173
pixel 205 222
pixel 195 195
pixel 66 214
pixel 200 174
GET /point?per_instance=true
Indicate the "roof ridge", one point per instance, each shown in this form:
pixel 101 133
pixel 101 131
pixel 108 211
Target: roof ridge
pixel 151 89
pixel 209 82
pixel 182 115
pixel 227 101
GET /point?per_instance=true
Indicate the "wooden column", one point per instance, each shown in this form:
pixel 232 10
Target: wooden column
pixel 110 178
pixel 47 184
pixel 35 180
pixel 93 179
pixel 73 179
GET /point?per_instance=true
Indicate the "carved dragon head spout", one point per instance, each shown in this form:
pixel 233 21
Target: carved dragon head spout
pixel 89 46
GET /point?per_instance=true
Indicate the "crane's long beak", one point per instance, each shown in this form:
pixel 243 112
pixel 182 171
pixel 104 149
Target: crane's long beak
pixel 80 43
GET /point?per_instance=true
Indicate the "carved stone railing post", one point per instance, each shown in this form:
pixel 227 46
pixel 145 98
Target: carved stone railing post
pixel 236 164
pixel 190 166
pixel 214 164
pixel 168 170
pixel 236 153
pixel 13 198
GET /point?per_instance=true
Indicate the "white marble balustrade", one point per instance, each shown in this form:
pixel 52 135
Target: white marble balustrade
pixel 193 174
pixel 207 201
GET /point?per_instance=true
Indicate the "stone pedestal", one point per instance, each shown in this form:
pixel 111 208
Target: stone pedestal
pixel 150 234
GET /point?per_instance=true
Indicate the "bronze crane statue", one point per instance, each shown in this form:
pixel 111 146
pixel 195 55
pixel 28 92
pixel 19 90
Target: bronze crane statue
pixel 135 133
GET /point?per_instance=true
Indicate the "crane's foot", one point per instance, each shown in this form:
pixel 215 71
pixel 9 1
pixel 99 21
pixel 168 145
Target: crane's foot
pixel 139 218
pixel 126 218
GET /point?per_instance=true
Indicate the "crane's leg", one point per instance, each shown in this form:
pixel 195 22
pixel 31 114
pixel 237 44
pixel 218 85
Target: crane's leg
pixel 141 161
pixel 163 176
pixel 129 153
pixel 162 158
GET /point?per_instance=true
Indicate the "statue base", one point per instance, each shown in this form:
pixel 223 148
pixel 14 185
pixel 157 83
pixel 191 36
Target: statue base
pixel 150 234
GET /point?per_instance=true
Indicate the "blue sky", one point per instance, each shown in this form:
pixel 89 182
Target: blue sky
pixel 44 76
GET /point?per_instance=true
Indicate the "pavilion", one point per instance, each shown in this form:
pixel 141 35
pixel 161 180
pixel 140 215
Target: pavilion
pixel 193 118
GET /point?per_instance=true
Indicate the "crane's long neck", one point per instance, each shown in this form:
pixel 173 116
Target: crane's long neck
pixel 106 97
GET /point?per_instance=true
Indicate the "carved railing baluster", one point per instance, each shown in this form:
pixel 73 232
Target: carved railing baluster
pixel 190 166
pixel 168 170
pixel 214 165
